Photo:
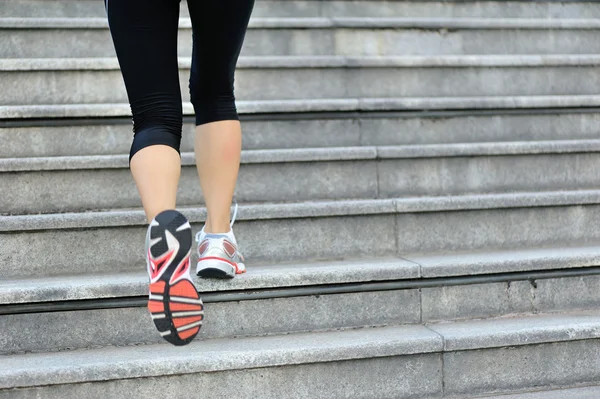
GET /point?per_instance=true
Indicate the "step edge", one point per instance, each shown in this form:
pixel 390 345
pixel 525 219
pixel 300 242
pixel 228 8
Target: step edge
pixel 323 154
pixel 363 104
pixel 543 263
pixel 32 65
pixel 30 370
pixel 311 209
pixel 466 23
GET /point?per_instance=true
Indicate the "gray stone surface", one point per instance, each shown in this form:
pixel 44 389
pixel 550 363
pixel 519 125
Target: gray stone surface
pixel 475 301
pixel 215 355
pixel 131 326
pixel 102 138
pixel 573 393
pixel 65 81
pixel 38 38
pixel 320 105
pixel 445 232
pixel 518 331
pixel 70 184
pixel 506 261
pixel 51 253
pixel 517 369
pixel 486 174
pixel 415 8
pixel 78 190
pixel 568 293
pixel 368 378
pixel 44 245
pixel 257 277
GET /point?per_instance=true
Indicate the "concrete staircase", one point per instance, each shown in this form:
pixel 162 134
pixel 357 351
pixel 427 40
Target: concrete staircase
pixel 419 204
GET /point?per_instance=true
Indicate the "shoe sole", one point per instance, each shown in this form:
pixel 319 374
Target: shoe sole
pixel 214 268
pixel 174 303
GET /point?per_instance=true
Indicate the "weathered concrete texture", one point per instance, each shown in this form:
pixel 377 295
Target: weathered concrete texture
pixel 104 184
pixel 551 295
pixel 75 287
pixel 77 190
pixel 511 369
pixel 339 131
pixel 567 293
pixel 573 393
pixel 310 78
pixel 215 355
pixel 404 104
pixel 113 285
pixel 447 176
pixel 518 331
pixel 465 301
pixel 501 228
pixel 335 8
pixel 456 128
pixel 51 253
pixel 311 231
pixel 506 261
pixel 129 326
pixel 369 378
pixel 373 38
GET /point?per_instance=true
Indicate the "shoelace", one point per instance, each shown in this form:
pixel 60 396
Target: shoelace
pixel 235 212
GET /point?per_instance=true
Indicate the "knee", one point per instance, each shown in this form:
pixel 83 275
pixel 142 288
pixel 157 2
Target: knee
pixel 214 100
pixel 157 122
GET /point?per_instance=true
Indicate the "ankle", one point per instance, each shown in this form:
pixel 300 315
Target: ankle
pixel 217 229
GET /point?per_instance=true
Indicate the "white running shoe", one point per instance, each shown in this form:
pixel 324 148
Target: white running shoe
pixel 218 254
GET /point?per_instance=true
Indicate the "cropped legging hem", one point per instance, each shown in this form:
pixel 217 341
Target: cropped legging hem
pixel 145 33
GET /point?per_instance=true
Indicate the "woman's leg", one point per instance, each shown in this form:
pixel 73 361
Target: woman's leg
pixel 145 37
pixel 219 27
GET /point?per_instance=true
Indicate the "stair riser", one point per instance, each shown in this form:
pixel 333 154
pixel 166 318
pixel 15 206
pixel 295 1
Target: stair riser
pixel 489 9
pixel 258 317
pixel 535 296
pixel 430 375
pixel 133 325
pixel 64 191
pixel 81 42
pixel 367 378
pixel 343 131
pixel 519 368
pixel 72 87
pixel 45 253
pixel 79 190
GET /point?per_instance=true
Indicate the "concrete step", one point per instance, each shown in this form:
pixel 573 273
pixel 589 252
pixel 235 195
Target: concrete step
pixel 287 298
pixel 83 137
pixel 573 393
pixel 89 37
pixel 331 8
pixel 98 80
pixel 71 184
pixel 79 243
pixel 440 360
pixel 23 114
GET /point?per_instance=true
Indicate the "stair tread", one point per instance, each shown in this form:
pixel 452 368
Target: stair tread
pixel 321 61
pixel 571 393
pixel 243 353
pixel 76 162
pixel 81 287
pixel 403 104
pixel 266 211
pixel 334 22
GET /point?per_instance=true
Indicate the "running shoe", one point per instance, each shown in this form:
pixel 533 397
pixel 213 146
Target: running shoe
pixel 218 254
pixel 174 303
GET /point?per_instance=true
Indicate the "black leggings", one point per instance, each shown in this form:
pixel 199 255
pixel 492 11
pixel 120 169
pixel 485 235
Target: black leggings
pixel 144 33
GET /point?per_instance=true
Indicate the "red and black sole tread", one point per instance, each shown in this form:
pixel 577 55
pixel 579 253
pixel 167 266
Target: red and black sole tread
pixel 176 309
